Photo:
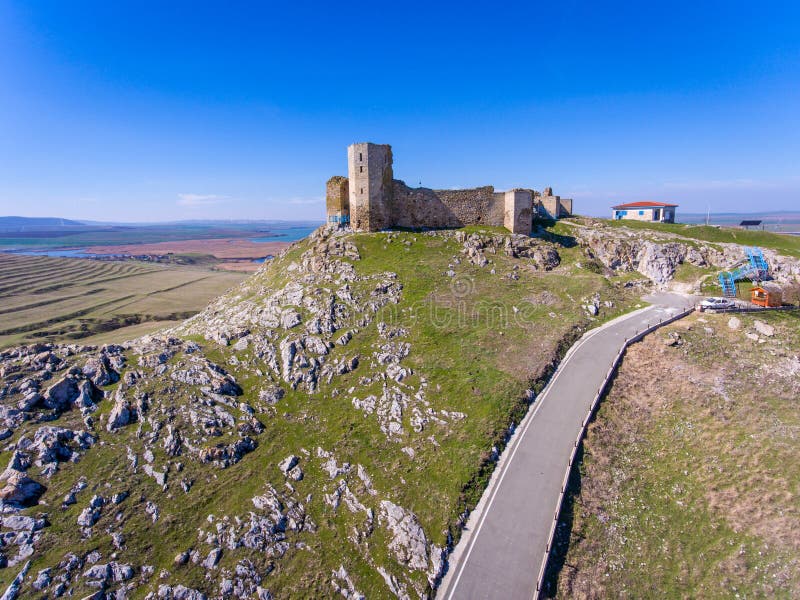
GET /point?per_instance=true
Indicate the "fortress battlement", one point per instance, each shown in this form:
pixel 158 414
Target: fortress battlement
pixel 370 199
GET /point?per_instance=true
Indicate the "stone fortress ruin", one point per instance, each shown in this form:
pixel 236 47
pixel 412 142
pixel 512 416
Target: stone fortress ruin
pixel 370 199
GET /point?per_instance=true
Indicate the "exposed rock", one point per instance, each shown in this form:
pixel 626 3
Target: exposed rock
pixel 288 463
pixel 213 558
pixel 88 517
pixel 179 592
pixel 764 328
pixel 271 395
pixel 734 323
pixel 12 591
pixel 23 523
pixel 341 582
pixel 20 490
pixel 99 371
pixel 61 394
pixel 225 455
pixel 409 544
pixel 122 413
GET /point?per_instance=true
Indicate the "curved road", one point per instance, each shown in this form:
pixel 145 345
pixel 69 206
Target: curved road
pixel 504 542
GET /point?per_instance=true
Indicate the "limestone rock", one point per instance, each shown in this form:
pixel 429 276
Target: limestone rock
pixel 764 328
pixel 121 414
pixel 20 490
pixel 61 394
pixel 288 463
pixel 409 544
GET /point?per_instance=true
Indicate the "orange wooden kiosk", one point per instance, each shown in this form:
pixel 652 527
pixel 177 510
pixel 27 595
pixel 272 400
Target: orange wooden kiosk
pixel 766 295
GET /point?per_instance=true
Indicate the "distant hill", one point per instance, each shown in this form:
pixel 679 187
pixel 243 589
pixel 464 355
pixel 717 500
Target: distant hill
pixel 23 223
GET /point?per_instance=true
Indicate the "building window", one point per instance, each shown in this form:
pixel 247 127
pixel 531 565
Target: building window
pixel 360 157
pixel 362 190
pixel 641 212
pixel 361 169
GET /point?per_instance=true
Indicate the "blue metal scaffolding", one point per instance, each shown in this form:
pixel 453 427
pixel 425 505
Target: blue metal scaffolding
pixel 755 269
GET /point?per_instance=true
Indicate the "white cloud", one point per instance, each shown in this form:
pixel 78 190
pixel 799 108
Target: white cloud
pixel 301 201
pixel 199 199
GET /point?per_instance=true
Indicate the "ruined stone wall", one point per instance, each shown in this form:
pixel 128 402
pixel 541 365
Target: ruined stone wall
pixel 473 206
pixel 550 206
pixel 553 206
pixel 337 196
pixel 424 207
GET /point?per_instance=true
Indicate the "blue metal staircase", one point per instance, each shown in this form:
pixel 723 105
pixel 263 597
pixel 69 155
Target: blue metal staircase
pixel 755 269
pixel 757 261
pixel 728 284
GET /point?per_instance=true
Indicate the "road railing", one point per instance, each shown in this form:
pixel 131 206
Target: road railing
pixel 585 423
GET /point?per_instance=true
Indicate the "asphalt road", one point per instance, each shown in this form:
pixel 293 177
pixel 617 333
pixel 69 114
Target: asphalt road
pixel 503 545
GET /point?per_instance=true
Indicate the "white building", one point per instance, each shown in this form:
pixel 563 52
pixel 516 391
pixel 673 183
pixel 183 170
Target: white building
pixel 660 212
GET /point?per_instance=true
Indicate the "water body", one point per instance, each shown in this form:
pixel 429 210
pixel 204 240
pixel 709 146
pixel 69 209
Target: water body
pixel 263 259
pixel 290 234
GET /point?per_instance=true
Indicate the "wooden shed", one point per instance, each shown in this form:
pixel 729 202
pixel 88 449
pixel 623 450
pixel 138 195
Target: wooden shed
pixel 767 295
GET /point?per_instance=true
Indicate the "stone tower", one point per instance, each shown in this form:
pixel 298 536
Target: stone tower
pixel 369 169
pixel 518 214
pixel 337 200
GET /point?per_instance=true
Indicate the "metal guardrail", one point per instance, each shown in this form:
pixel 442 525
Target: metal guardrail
pixel 747 309
pixel 581 434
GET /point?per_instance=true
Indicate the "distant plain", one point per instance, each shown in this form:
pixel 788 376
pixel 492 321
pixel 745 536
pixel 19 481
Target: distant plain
pixel 88 301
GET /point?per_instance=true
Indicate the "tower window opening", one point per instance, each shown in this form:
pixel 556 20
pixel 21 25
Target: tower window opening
pixel 360 156
pixel 361 169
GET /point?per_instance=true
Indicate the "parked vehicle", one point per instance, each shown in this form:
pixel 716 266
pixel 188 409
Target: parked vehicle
pixel 717 304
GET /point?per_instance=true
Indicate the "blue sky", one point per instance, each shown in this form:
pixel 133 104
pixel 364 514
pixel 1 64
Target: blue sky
pixel 170 110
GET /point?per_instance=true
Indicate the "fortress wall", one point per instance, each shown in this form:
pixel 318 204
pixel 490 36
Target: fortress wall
pixel 496 214
pixel 471 206
pixel 337 200
pixel 551 205
pixel 424 207
pixel 420 207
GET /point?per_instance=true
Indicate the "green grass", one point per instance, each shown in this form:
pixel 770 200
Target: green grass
pixel 785 244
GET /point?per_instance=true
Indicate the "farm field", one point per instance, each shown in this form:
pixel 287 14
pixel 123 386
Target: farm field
pixel 70 299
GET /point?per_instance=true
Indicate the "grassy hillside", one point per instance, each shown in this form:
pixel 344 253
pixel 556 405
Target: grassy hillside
pixel 689 481
pixel 389 365
pixel 788 245
pixel 60 299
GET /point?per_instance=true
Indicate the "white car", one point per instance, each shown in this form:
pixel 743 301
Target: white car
pixel 717 304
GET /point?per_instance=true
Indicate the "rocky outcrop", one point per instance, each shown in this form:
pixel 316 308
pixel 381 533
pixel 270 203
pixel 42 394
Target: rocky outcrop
pixel 19 490
pixel 409 544
pixel 122 413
